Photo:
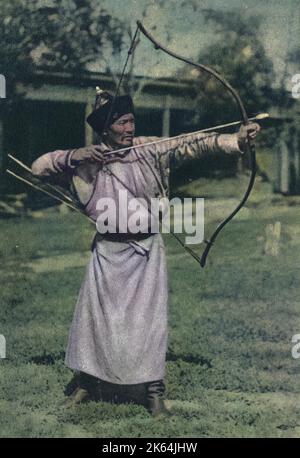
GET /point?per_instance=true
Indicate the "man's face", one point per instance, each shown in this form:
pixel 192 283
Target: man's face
pixel 121 132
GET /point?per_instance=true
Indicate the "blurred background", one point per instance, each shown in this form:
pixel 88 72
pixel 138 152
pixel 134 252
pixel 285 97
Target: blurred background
pixel 54 52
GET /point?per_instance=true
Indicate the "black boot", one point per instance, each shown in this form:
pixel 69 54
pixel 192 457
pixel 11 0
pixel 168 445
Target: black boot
pixel 123 394
pixel 155 399
pixel 82 388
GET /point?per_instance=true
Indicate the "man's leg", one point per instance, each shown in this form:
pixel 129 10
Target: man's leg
pixel 88 388
pixel 82 388
pixel 115 393
pixel 155 398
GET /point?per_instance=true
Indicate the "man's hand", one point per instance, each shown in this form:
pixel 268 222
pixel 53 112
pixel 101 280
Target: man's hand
pixel 247 132
pixel 90 153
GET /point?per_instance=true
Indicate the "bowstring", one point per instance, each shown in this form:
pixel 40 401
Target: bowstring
pixel 133 45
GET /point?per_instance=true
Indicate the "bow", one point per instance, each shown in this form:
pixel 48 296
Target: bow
pixel 244 117
pixel 245 120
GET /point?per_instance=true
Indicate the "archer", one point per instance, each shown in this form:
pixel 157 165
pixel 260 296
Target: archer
pixel 119 330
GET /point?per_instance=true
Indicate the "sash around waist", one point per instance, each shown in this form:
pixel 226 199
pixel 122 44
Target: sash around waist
pixel 121 237
pixel 124 237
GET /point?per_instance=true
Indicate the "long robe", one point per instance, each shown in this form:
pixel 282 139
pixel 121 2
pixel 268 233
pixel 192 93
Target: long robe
pixel 119 330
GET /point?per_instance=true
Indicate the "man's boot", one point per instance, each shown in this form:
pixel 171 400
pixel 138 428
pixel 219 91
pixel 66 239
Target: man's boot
pixel 155 399
pixel 79 396
pixel 81 389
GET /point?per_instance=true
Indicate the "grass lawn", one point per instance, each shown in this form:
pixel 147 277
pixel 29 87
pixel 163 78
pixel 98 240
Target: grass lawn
pixel 230 372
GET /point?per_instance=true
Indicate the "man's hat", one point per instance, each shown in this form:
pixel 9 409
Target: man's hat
pixel 108 109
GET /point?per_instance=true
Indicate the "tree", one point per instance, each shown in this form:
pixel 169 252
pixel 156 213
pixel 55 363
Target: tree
pixel 55 35
pixel 239 55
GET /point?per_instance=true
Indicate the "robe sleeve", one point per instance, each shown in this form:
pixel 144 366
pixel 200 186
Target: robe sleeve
pixel 51 164
pixel 175 152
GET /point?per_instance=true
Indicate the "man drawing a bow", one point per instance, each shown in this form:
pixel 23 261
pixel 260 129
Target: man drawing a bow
pixel 119 332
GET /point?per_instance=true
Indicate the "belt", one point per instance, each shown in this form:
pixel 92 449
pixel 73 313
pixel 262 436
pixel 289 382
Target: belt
pixel 125 237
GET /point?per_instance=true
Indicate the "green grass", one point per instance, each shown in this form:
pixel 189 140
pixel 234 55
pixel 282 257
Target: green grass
pixel 230 372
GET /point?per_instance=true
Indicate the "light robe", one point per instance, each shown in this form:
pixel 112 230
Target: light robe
pixel 120 325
